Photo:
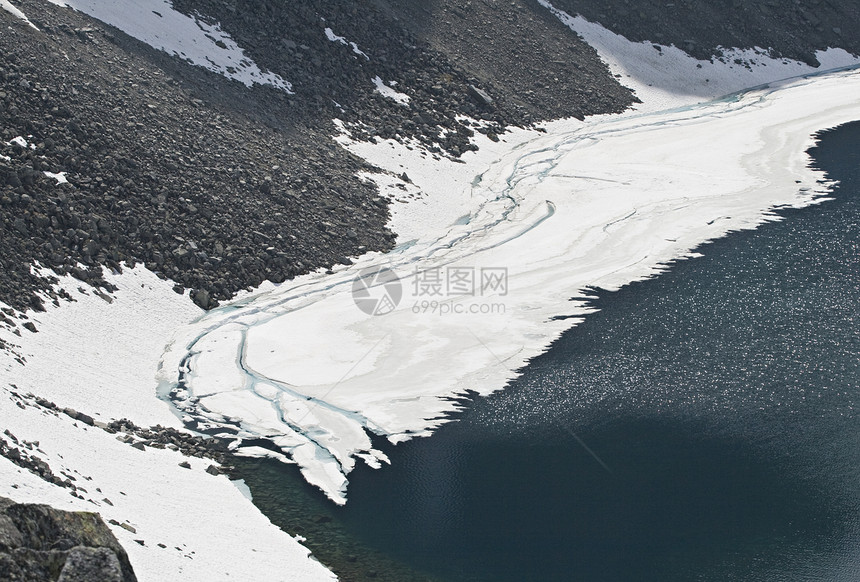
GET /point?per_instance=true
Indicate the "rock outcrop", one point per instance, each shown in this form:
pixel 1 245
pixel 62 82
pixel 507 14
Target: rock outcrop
pixel 39 543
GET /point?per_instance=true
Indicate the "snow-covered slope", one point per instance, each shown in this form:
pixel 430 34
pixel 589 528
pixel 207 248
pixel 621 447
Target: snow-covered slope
pixel 666 76
pixel 99 355
pixel 196 40
pixel 8 7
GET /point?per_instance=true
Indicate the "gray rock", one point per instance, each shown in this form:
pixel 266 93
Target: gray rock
pixel 10 537
pixel 38 542
pixel 481 96
pixel 202 298
pixel 85 564
pixel 21 226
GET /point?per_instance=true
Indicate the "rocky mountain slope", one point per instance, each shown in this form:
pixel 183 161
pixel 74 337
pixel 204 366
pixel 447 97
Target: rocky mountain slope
pixel 212 184
pixel 203 191
pixel 218 187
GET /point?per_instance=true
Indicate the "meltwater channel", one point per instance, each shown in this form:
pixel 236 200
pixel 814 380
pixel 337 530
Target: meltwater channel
pixel 703 425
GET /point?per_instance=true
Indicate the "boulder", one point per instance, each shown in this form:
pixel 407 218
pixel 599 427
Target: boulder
pixel 38 542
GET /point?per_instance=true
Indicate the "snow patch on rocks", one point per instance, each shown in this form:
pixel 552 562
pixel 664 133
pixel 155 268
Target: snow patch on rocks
pixel 195 40
pixel 390 93
pixel 11 9
pixel 666 76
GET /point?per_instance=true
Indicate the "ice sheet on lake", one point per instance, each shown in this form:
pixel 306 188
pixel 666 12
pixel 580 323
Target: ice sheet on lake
pixel 603 204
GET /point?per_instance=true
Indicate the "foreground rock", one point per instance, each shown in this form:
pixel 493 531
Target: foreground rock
pixel 39 543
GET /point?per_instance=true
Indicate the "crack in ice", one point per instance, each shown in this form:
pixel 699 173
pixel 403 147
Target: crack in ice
pixel 608 203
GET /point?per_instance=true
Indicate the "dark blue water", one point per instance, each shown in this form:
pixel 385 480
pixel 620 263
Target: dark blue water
pixel 702 426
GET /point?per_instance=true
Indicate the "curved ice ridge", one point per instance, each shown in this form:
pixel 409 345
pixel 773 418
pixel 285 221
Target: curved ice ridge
pixel 303 369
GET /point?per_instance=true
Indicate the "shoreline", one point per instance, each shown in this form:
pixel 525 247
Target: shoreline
pixel 309 513
pixel 668 201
